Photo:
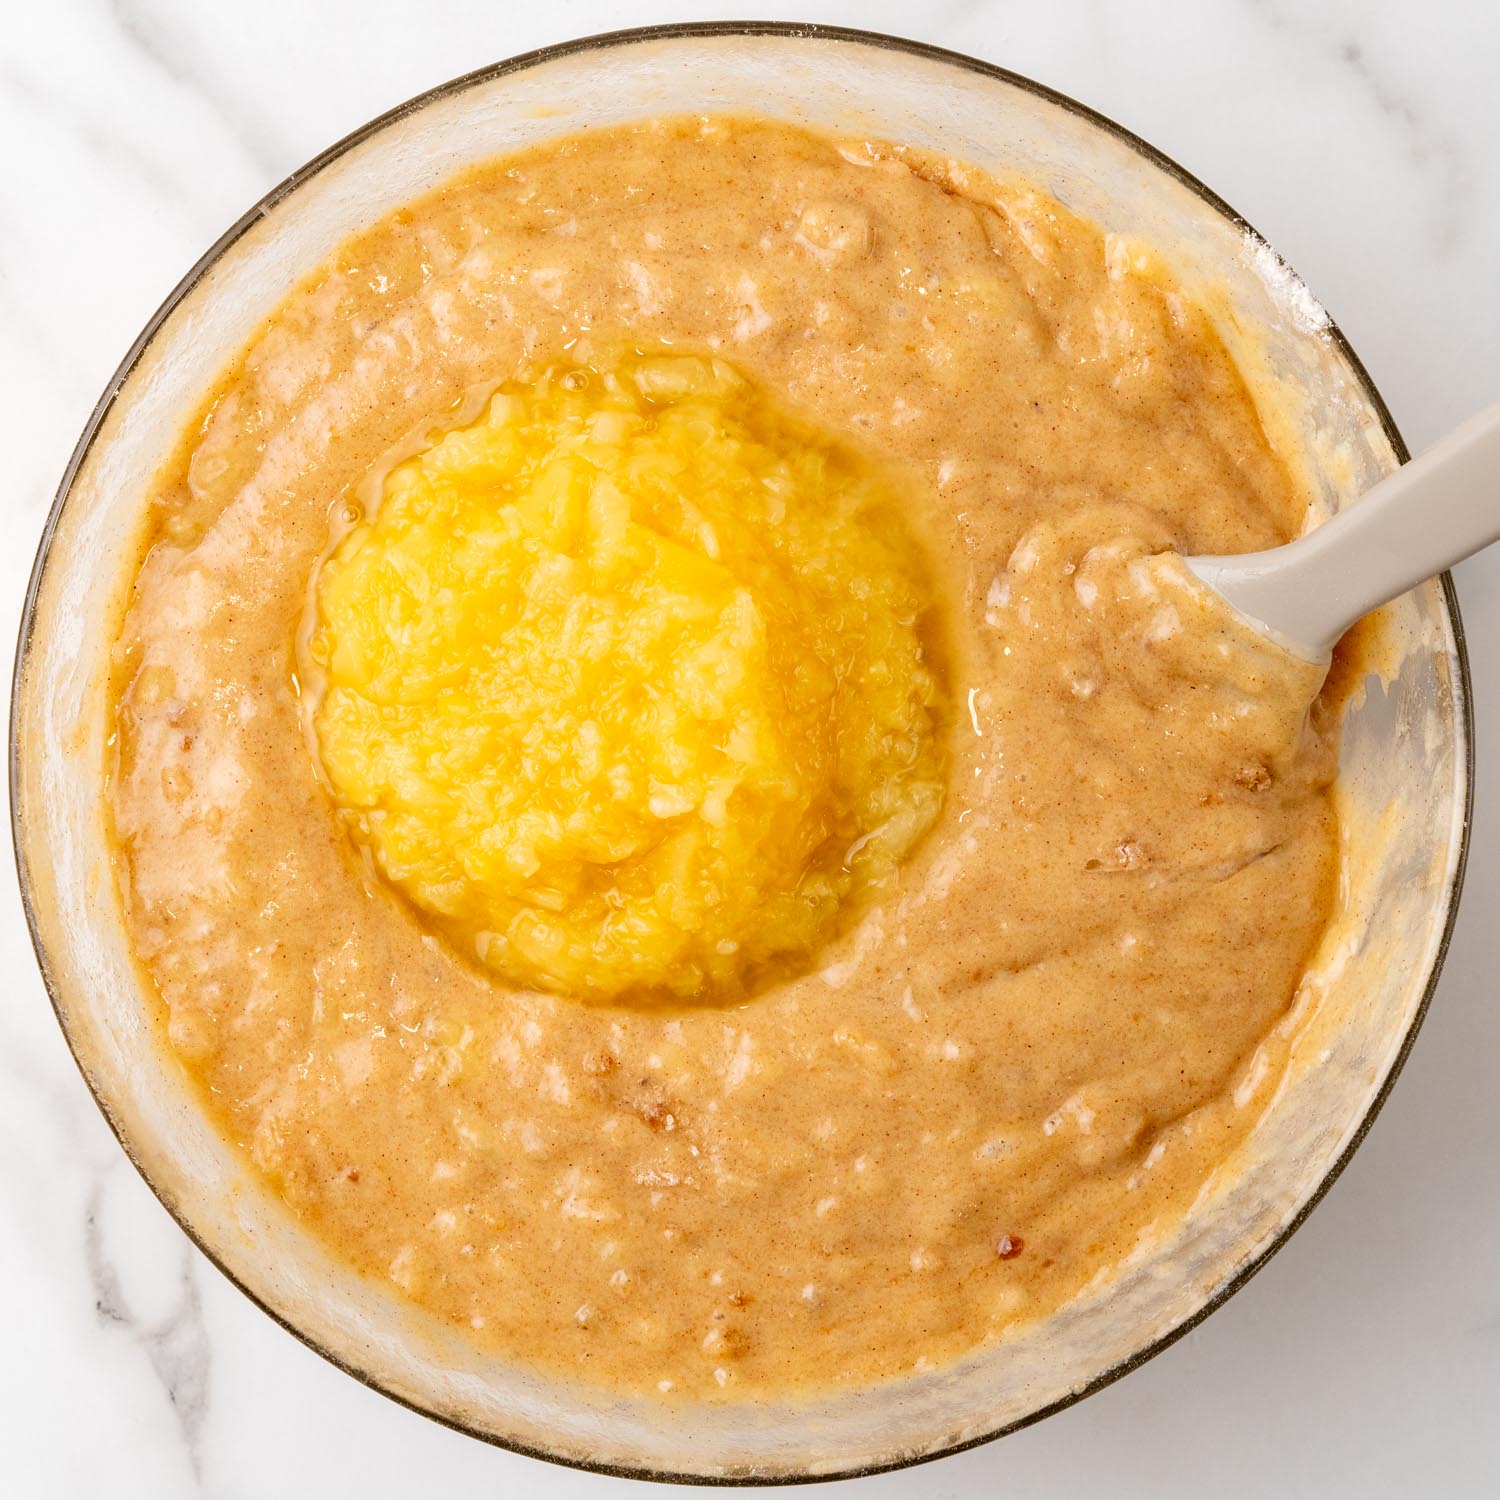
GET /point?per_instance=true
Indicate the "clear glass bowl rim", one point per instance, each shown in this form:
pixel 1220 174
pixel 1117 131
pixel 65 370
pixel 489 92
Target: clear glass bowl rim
pixel 617 40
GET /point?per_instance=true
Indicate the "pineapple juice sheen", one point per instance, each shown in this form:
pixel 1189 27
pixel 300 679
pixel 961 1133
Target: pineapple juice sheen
pixel 588 879
pixel 624 684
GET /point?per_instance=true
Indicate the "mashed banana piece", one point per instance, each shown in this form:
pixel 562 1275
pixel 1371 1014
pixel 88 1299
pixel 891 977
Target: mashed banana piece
pixel 625 682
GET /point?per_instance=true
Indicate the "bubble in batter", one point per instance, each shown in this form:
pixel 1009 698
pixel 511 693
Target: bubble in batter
pixel 628 686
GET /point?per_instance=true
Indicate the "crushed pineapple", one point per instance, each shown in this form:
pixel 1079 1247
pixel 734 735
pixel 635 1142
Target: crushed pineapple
pixel 625 686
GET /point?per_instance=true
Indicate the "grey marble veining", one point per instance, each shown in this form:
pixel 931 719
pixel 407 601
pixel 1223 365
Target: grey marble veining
pixel 152 33
pixel 1437 153
pixel 175 1342
pixel 1363 138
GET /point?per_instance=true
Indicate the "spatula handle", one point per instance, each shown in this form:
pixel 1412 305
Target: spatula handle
pixel 1431 513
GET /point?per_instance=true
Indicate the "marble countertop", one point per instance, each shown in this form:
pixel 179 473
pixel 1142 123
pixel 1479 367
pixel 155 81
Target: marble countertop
pixel 1363 139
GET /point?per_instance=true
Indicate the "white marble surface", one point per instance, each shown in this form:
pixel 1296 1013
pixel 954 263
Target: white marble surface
pixel 1364 139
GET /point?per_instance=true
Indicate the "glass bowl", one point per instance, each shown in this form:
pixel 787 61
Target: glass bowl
pixel 1406 752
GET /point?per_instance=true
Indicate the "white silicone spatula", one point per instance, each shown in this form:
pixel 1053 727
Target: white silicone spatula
pixel 1431 513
